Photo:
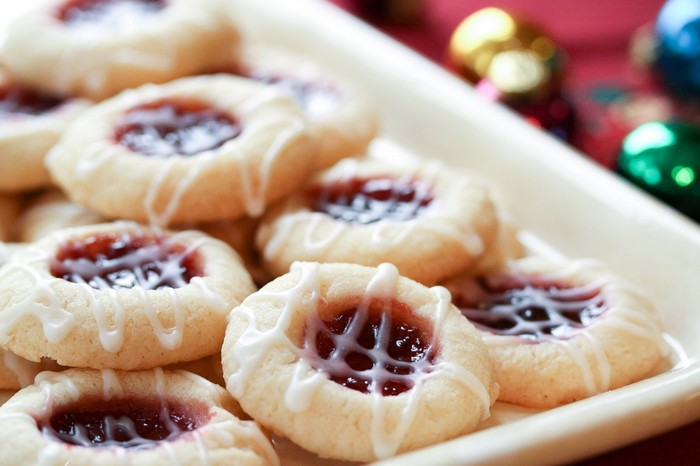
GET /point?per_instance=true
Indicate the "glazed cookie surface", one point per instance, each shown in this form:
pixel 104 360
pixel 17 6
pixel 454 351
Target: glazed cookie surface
pixel 558 332
pixel 119 296
pixel 356 363
pixel 198 149
pixel 97 48
pixel 87 417
pixel 428 221
pixel 342 117
pixel 31 122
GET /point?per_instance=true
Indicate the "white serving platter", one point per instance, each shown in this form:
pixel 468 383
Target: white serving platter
pixel 565 203
pixel 561 199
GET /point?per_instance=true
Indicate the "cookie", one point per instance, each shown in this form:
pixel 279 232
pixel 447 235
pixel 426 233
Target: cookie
pixel 51 211
pixel 505 247
pixel 194 150
pixel 96 48
pixel 32 122
pixel 119 296
pixel 87 417
pixel 427 220
pixel 558 332
pixel 16 372
pixel 356 363
pixel 341 115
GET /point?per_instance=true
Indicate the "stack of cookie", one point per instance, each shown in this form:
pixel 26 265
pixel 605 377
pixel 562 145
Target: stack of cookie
pixel 160 168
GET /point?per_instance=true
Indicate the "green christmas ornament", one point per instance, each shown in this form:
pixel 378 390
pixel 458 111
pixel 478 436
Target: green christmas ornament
pixel 664 160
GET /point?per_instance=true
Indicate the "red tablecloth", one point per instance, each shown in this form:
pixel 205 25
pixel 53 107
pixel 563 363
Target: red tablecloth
pixel 596 35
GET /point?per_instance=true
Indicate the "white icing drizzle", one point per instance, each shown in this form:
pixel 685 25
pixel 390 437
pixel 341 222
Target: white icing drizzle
pixel 111 386
pixel 202 452
pixel 42 302
pixel 169 338
pixel 255 201
pixel 104 303
pixel 303 299
pixel 23 369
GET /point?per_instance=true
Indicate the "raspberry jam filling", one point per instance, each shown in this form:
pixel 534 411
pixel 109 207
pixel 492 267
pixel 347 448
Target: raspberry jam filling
pixel 122 261
pixel 369 200
pixel 19 101
pixel 530 307
pixel 175 127
pixel 113 14
pixel 134 424
pixel 380 348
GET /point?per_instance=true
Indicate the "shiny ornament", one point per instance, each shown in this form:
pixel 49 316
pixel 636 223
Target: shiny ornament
pixel 514 56
pixel 664 160
pixel 607 112
pixel 395 11
pixel 678 32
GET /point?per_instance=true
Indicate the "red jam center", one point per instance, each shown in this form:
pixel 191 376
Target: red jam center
pixel 128 424
pixel 17 101
pixel 173 127
pixel 123 261
pixel 369 200
pixel 375 350
pixel 113 14
pixel 529 307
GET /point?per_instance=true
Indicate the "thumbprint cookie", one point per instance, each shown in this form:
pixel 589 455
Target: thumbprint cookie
pixel 31 122
pixel 87 417
pixel 427 220
pixel 341 115
pixel 96 48
pixel 198 149
pixel 559 332
pixel 356 363
pixel 119 296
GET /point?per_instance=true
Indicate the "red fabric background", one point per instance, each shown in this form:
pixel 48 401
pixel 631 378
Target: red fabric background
pixel 595 34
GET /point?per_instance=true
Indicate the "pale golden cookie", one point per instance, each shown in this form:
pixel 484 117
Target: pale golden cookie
pixel 341 115
pixel 88 417
pixel 558 332
pixel 98 48
pixel 16 372
pixel 30 124
pixel 356 363
pixel 504 248
pixel 120 296
pixel 51 211
pixel 427 220
pixel 194 150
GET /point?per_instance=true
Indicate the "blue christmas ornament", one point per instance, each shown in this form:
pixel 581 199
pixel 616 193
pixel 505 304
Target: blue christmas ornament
pixel 678 31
